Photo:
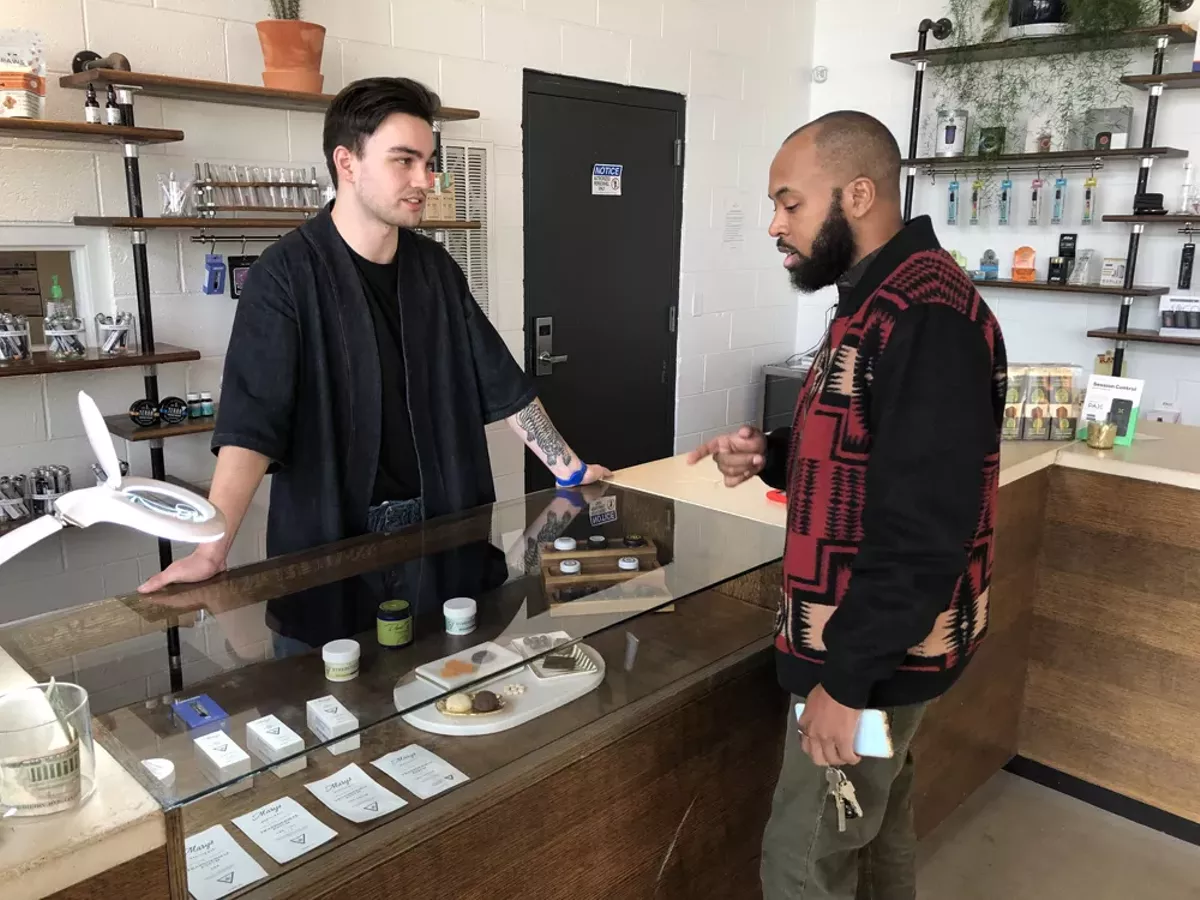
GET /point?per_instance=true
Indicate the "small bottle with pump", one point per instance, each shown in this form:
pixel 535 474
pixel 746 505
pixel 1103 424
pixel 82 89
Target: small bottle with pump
pixel 112 112
pixel 56 305
pixel 91 106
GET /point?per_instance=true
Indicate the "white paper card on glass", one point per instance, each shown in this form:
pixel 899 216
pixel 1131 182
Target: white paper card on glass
pixel 217 865
pixel 353 795
pixel 418 770
pixel 284 829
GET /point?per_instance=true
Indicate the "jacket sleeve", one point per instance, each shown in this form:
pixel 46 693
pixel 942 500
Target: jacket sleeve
pixel 933 425
pixel 261 370
pixel 775 463
pixel 504 388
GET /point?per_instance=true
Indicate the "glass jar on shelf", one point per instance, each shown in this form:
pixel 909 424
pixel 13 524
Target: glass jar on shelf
pixel 66 338
pixel 116 335
pixel 14 338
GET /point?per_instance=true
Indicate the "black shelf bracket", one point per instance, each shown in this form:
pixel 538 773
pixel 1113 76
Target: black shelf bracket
pixel 941 29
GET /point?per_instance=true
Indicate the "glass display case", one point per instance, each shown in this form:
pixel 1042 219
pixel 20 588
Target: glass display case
pixel 334 692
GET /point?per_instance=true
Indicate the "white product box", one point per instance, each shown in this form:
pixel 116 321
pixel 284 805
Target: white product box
pixel 270 740
pixel 221 760
pixel 328 719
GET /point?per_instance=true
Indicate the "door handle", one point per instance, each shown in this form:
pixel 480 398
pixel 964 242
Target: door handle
pixel 546 358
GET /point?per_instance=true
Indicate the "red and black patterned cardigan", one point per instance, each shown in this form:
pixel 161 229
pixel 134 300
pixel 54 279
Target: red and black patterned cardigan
pixel 891 470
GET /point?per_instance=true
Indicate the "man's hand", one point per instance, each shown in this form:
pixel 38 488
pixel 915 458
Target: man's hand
pixel 827 730
pixel 739 456
pixel 201 565
pixel 595 474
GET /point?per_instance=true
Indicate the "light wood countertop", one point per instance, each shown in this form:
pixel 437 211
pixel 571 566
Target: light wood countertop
pixel 119 822
pixel 1166 454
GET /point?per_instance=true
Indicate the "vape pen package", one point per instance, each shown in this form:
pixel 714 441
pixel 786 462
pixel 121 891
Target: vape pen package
pixel 952 204
pixel 1035 201
pixel 1005 209
pixel 1058 211
pixel 976 200
pixel 1089 201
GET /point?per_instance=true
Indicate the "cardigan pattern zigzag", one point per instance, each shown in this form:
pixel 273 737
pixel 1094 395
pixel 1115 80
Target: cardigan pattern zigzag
pixel 827 478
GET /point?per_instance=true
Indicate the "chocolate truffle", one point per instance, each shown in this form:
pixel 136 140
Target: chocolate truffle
pixel 485 702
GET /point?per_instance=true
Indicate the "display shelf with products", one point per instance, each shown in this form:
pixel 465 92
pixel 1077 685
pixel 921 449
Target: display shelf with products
pixel 1158 36
pixel 125 428
pixel 42 363
pixel 153 222
pixel 438 722
pixel 1099 289
pixel 1143 336
pixel 86 133
pixel 228 93
pixel 1169 219
pixel 1049 45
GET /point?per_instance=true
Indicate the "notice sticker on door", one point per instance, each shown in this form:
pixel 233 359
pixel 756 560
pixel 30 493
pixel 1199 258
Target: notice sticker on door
pixel 602 511
pixel 606 180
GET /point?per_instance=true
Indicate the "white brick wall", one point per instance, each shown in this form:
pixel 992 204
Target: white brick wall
pixel 1037 327
pixel 743 63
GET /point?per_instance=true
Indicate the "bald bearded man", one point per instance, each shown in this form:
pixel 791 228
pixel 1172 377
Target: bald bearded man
pixel 891 470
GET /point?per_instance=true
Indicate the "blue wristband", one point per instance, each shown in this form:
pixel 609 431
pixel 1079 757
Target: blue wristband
pixel 575 480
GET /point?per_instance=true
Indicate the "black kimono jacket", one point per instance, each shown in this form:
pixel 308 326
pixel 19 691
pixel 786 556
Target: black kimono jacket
pixel 302 383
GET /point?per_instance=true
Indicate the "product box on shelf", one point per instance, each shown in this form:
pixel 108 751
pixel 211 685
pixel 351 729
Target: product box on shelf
pixel 1042 402
pixel 1179 317
pixel 441 203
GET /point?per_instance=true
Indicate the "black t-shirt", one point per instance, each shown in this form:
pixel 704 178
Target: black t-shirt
pixel 398 476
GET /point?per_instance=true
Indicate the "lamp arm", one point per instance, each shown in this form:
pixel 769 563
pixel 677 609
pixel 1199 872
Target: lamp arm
pixel 21 539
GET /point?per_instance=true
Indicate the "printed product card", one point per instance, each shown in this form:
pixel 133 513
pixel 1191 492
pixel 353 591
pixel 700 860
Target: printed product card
pixel 353 795
pixel 1114 400
pixel 217 865
pixel 284 829
pixel 419 771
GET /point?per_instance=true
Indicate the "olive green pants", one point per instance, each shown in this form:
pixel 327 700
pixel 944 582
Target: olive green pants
pixel 805 857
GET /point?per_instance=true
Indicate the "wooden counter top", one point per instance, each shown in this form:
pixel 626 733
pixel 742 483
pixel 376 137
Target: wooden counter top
pixel 120 822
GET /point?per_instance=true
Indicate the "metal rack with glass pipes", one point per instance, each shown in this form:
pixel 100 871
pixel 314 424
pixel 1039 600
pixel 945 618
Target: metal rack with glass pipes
pixel 1160 36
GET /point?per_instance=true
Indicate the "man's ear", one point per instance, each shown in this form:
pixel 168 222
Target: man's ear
pixel 859 197
pixel 342 158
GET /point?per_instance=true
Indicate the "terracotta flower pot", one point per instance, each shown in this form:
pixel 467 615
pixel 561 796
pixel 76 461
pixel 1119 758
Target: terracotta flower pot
pixel 292 52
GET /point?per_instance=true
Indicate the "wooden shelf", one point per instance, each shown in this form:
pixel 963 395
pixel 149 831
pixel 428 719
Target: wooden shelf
pixel 1155 220
pixel 123 427
pixel 1143 336
pixel 1050 159
pixel 43 364
pixel 223 92
pixel 1050 45
pixel 1075 288
pixel 285 222
pixel 85 133
pixel 1175 81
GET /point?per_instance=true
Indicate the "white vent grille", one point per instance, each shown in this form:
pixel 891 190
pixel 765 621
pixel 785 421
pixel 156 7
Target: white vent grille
pixel 469 165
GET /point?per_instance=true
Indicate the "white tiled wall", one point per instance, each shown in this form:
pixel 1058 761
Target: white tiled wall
pixel 1037 326
pixel 743 63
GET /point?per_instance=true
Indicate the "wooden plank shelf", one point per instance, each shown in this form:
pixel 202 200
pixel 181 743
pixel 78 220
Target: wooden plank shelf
pixel 965 163
pixel 285 222
pixel 1174 81
pixel 201 91
pixel 1143 336
pixel 1050 45
pixel 1155 220
pixel 1136 291
pixel 43 364
pixel 124 427
pixel 86 133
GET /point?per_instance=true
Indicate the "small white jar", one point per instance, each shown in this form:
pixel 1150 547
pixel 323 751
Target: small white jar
pixel 460 615
pixel 341 660
pixel 628 564
pixel 163 770
pixel 569 567
pixel 565 544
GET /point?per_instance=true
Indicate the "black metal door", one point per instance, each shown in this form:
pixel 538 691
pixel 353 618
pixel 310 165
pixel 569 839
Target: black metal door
pixel 603 208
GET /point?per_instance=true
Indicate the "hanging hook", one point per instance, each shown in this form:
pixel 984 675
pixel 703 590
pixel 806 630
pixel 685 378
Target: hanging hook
pixel 244 245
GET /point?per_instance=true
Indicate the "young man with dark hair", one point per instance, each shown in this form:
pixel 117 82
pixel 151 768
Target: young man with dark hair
pixel 891 471
pixel 360 370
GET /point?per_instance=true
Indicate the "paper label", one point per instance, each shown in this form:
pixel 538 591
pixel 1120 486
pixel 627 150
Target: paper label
pixel 284 829
pixel 606 180
pixel 353 795
pixel 419 771
pixel 602 511
pixel 1115 399
pixel 217 865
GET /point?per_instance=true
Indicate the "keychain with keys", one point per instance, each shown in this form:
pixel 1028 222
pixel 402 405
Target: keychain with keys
pixel 845 799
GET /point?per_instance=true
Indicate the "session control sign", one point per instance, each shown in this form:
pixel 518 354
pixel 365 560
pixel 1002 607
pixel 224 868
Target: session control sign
pixel 606 180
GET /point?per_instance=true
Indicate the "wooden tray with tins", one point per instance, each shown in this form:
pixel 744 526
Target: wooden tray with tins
pixel 599 573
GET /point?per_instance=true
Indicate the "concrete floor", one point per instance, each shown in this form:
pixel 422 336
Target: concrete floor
pixel 1016 840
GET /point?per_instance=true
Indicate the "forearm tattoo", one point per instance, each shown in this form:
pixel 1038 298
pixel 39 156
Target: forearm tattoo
pixel 555 525
pixel 540 432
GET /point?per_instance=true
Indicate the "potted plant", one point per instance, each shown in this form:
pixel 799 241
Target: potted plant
pixel 292 49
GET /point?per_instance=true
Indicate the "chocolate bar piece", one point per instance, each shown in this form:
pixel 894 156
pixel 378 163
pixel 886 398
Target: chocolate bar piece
pixel 559 662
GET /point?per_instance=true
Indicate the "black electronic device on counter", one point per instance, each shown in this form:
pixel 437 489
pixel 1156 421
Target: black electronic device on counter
pixel 1148 205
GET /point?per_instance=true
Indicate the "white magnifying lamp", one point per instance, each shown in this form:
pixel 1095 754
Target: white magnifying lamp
pixel 154 507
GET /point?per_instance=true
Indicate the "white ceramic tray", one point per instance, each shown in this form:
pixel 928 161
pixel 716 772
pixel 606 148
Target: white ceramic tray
pixel 540 697
pixel 497 658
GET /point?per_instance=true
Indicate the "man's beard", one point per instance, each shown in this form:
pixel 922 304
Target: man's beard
pixel 833 251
